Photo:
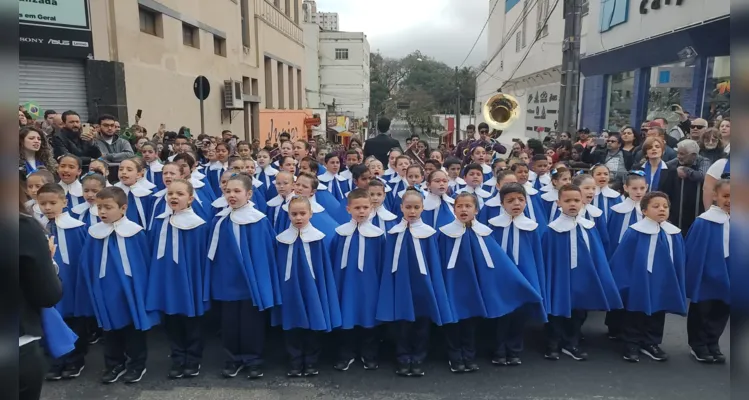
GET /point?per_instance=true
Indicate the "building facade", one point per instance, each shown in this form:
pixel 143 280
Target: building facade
pixel 146 54
pixel 641 57
pixel 344 72
pixel 524 55
pixel 328 21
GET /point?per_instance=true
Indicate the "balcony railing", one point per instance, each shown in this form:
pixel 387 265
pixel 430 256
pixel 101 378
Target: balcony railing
pixel 278 20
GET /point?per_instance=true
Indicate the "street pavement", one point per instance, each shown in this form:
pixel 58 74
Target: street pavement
pixel 604 376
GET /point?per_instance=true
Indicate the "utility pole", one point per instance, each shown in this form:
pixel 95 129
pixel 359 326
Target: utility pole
pixel 457 113
pixel 570 87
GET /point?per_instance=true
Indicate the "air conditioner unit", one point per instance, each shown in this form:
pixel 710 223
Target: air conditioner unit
pixel 233 99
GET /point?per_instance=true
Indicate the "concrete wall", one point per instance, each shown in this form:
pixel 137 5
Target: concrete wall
pixel 346 81
pixel 312 64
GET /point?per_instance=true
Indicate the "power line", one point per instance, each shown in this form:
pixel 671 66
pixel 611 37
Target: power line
pixel 538 36
pixel 513 29
pixel 496 2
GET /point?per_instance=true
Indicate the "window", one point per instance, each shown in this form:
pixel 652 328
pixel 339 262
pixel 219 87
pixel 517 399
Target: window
pixel 287 8
pixel 341 54
pixel 190 36
pixel 268 82
pixel 296 11
pixel 244 10
pixel 279 75
pixel 613 13
pixel 518 38
pixel 586 7
pixel 219 46
pixel 525 23
pixel 621 86
pixel 277 3
pixel 150 22
pixel 542 27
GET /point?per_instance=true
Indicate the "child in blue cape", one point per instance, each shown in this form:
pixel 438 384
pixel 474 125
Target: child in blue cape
pixel 578 277
pixel 175 283
pixel 86 212
pixel 284 187
pixel 381 216
pixel 139 199
pixel 305 186
pixel 398 181
pixel 473 177
pixel 245 165
pixel 412 290
pixel 392 167
pixel 357 255
pixel 241 274
pixel 605 196
pixel 628 212
pixel 34 182
pixel 376 171
pixel 587 186
pixel 480 280
pixel 266 174
pixel 308 287
pixel 438 205
pixel 539 174
pixel 361 176
pixel 216 168
pixel 493 206
pixel 455 182
pixel 519 237
pixel 69 169
pixel 550 200
pixel 333 181
pixel 69 235
pixel 170 172
pixel 114 267
pixel 203 194
pixel 498 166
pixel 708 277
pixel 322 195
pixel 415 179
pixel 351 158
pixel 479 157
pixel 152 164
pixel 534 204
pixel 648 267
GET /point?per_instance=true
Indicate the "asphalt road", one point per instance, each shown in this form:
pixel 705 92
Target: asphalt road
pixel 604 376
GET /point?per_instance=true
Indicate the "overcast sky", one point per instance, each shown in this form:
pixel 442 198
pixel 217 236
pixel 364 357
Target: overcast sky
pixel 443 29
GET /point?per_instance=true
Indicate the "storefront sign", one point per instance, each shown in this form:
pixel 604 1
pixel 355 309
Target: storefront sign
pixel 55 29
pixel 674 77
pixel 542 109
pixel 656 4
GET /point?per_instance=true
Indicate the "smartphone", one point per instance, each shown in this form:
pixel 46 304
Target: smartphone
pixel 187 133
pixel 675 107
pixel 138 114
pixel 600 141
pixel 86 129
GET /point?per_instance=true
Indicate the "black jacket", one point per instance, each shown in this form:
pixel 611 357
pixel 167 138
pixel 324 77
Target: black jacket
pixel 379 146
pixel 685 194
pixel 38 281
pixel 69 142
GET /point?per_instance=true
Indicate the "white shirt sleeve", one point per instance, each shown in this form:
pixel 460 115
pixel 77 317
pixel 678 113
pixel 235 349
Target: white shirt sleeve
pixel 716 170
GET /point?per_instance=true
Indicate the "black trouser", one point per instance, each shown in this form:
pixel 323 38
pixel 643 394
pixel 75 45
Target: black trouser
pixel 79 326
pixel 640 329
pixel 126 345
pixel 706 322
pixel 510 330
pixel 615 320
pixel 461 340
pixel 303 347
pixel 363 341
pixel 243 331
pixel 31 368
pixel 185 338
pixel 564 331
pixel 412 340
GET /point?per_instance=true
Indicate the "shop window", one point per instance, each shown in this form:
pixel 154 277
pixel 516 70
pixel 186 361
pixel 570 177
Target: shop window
pixel 717 89
pixel 661 97
pixel 620 100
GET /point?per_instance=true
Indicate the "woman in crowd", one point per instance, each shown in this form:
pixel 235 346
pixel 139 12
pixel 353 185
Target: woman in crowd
pixel 35 152
pixel 630 141
pixel 725 133
pixel 711 144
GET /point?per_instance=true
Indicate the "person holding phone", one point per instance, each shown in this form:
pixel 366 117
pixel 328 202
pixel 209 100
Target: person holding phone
pixel 72 139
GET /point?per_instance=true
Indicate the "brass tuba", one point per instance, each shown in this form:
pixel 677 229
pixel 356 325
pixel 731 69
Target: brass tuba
pixel 501 111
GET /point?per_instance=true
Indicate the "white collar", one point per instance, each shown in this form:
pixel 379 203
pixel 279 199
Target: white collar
pixel 532 176
pixel 75 188
pixel 565 223
pixel 608 192
pixel 593 211
pixel 197 175
pixel 388 171
pixel 184 220
pixel 65 221
pixel 486 168
pixel 547 188
pixel 715 214
pixel 326 177
pixel 243 215
pixel 196 183
pixel 316 207
pixel 155 166
pixel 320 186
pixel 418 229
pixel 124 227
pixel 551 195
pixel 220 203
pixel 217 165
pixel 256 182
pixel 503 220
pixel 308 234
pixel 384 214
pixel 395 179
pixel 457 180
pixel 494 202
pixel 626 206
pixel 650 227
pixel 662 166
pixel 161 193
pixel 276 201
pixel 81 208
pixel 341 178
pixel 144 183
pixel 346 174
pixel 529 189
pixel 432 201
pixel 366 229
pixel 270 171
pixel 137 191
pixel 491 182
pixel 477 191
pixel 457 229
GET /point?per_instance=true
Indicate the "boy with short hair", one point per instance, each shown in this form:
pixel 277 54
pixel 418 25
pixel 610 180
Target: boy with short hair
pixel 474 178
pixel 114 264
pixel 352 158
pixel 540 167
pixel 455 182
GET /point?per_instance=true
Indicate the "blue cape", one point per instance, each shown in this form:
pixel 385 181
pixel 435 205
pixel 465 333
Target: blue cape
pixel 177 288
pixel 388 224
pixel 86 218
pixel 643 291
pixel 531 263
pixel 590 286
pixel 615 223
pixel 444 216
pixel 155 177
pixel 260 201
pixel 476 290
pixel 308 302
pixel 406 294
pixel 203 208
pixel 59 339
pixel 119 300
pixel 245 272
pixel 358 290
pixel 326 199
pixel 321 220
pixel 75 238
pixel 605 203
pixel 133 214
pixel 707 274
pixel 213 176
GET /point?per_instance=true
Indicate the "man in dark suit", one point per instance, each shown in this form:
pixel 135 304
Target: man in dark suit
pixel 380 145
